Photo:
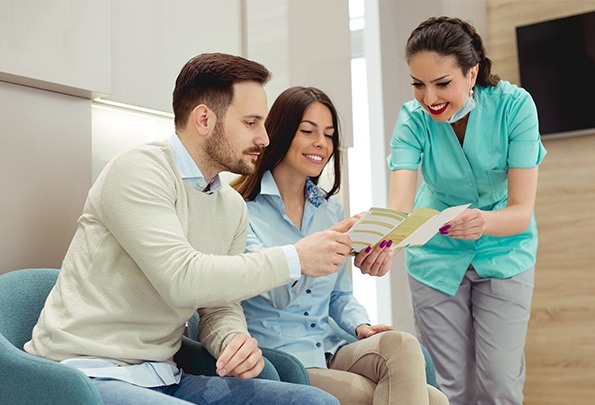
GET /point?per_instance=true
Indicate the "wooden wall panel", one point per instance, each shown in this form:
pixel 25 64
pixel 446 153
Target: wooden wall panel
pixel 560 346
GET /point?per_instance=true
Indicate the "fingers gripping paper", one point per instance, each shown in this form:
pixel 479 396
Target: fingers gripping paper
pixel 404 229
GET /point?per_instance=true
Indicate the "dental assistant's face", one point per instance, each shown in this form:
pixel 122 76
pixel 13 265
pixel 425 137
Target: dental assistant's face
pixel 439 84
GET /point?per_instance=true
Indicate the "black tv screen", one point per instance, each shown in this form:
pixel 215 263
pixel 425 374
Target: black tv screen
pixel 557 66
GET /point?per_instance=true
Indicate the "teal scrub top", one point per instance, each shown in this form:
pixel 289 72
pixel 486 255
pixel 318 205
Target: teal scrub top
pixel 502 133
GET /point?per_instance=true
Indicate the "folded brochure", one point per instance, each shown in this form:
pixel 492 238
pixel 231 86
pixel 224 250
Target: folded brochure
pixel 413 229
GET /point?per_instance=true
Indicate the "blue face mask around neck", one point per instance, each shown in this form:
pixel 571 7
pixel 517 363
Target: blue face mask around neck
pixel 464 110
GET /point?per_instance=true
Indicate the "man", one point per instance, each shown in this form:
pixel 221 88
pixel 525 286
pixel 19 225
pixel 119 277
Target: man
pixel 160 236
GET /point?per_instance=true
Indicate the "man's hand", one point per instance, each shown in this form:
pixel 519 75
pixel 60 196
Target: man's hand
pixel 322 253
pixel 347 223
pixel 241 358
pixel 376 262
pixel 364 330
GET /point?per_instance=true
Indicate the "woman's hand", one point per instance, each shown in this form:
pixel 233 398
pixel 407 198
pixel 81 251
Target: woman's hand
pixel 376 262
pixel 364 330
pixel 470 224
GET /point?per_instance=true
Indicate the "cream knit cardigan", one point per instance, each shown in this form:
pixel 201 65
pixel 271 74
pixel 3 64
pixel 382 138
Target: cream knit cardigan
pixel 148 251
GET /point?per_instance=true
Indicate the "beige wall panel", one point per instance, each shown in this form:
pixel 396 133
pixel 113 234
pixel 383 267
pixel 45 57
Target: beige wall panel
pixel 45 166
pixel 560 349
pixel 152 40
pixel 56 45
pixel 294 40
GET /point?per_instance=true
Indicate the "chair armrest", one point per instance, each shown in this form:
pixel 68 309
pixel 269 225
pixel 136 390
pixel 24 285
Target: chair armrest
pixel 27 379
pixel 290 369
pixel 193 358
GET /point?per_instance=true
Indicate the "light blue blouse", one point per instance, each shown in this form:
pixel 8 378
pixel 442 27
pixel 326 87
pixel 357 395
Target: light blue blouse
pixel 294 318
pixel 502 133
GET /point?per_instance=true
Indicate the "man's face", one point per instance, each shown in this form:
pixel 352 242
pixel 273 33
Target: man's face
pixel 239 138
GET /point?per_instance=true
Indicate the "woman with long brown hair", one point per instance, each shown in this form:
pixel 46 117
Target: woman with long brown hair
pixel 285 203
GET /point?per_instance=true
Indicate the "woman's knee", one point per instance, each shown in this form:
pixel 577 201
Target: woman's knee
pixel 401 344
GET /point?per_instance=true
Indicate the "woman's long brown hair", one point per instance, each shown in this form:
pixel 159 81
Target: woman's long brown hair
pixel 282 124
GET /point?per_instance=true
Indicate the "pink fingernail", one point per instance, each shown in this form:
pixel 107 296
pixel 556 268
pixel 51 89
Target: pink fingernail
pixel 368 249
pixel 390 243
pixel 444 229
pixel 382 244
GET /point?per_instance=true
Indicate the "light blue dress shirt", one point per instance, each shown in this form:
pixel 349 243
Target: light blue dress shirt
pixel 188 169
pixel 294 318
pixel 502 133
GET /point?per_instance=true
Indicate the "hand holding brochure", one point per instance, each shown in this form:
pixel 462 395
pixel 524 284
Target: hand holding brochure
pixel 413 229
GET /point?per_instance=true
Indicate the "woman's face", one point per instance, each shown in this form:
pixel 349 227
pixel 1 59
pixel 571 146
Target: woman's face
pixel 312 145
pixel 439 84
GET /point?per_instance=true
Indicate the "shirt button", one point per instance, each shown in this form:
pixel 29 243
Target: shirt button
pixel 312 325
pixel 308 291
pixel 470 184
pixel 318 345
pixel 306 313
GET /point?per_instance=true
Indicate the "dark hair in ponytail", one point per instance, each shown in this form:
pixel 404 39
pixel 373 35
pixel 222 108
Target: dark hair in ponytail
pixel 453 36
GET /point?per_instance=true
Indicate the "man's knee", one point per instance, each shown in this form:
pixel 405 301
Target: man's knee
pixel 316 396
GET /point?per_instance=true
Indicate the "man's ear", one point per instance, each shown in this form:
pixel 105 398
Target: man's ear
pixel 203 119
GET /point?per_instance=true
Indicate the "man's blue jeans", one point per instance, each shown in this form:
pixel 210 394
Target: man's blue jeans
pixel 198 389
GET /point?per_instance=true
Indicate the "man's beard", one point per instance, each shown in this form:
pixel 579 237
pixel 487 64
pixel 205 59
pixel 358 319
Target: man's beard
pixel 223 155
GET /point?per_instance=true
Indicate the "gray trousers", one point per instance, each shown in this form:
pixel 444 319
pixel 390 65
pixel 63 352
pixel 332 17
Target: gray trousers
pixel 477 337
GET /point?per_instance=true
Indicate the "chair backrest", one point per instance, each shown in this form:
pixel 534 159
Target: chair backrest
pixel 22 297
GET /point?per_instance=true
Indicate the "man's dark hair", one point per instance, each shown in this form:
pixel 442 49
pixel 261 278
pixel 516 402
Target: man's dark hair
pixel 208 79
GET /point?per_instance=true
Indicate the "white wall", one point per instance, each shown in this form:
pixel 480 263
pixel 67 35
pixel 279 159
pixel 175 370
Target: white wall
pixel 55 141
pixel 45 155
pixel 152 40
pixel 294 39
pixel 129 51
pixel 62 46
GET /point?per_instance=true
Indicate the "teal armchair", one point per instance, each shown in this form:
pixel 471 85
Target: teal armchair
pixel 288 368
pixel 27 379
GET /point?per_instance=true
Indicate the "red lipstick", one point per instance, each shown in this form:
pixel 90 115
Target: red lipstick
pixel 439 111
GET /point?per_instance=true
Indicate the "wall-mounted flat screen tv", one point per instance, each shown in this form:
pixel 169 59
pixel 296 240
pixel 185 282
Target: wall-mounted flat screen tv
pixel 557 66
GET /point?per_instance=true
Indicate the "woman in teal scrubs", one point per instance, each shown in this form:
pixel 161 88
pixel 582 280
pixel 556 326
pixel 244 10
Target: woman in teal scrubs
pixel 476 140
